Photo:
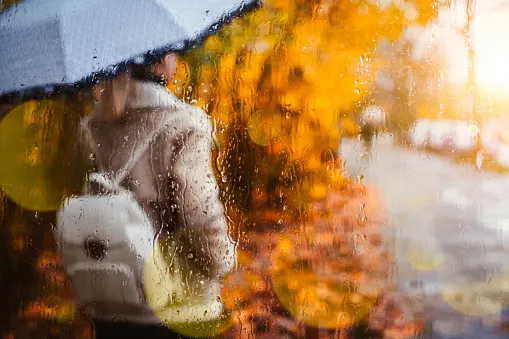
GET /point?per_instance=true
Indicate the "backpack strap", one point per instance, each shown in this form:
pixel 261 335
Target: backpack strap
pixel 102 178
pixel 86 136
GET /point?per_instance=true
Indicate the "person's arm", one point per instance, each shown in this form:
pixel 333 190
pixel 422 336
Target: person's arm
pixel 198 197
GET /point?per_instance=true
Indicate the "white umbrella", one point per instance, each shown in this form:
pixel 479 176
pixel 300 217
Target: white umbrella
pixel 53 43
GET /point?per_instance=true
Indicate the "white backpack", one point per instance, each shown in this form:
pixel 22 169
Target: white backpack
pixel 114 264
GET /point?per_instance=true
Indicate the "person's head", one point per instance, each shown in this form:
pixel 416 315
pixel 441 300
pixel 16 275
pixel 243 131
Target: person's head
pixel 112 94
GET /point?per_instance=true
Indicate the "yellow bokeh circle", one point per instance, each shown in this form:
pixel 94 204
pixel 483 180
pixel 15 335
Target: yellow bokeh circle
pixel 264 126
pixel 478 298
pixel 191 307
pixel 423 257
pixel 38 153
pixel 316 289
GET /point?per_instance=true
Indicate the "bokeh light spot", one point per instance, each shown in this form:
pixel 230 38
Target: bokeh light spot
pixel 316 288
pixel 263 127
pixel 191 307
pixel 38 151
pixel 423 257
pixel 479 298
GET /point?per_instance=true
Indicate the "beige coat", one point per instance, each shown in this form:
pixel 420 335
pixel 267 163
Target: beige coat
pixel 173 180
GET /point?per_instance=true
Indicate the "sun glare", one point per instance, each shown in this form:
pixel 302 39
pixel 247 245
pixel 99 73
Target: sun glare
pixel 492 53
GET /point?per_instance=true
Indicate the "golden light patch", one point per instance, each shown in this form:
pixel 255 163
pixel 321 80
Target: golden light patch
pixel 191 307
pixel 423 257
pixel 37 146
pixel 263 127
pixel 478 299
pixel 316 289
pixel 318 192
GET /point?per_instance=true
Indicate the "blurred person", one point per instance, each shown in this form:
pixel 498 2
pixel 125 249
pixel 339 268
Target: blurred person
pixel 372 123
pixel 172 179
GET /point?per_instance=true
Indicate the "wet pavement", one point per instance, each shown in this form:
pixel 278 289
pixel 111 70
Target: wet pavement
pixel 448 226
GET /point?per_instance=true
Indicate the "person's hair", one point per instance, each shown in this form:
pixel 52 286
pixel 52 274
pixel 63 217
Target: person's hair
pixel 143 73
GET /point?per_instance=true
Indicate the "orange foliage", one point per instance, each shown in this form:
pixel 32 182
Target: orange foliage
pixel 302 63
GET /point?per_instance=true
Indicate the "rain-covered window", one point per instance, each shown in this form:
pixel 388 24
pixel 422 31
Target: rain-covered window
pixel 254 169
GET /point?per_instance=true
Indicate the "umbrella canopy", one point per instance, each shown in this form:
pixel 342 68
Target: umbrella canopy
pixel 47 44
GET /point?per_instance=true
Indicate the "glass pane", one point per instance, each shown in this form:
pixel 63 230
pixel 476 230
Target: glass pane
pixel 253 169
